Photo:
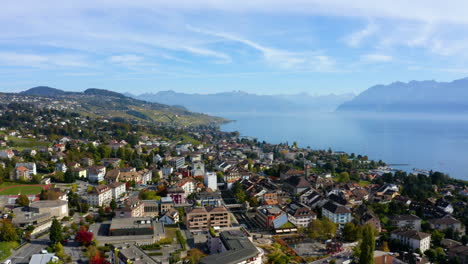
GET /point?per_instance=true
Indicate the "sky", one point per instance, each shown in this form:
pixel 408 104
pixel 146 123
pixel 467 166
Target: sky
pixel 208 46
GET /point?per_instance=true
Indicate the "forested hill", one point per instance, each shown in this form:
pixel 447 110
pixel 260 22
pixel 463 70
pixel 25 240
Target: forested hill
pixel 108 104
pixel 414 96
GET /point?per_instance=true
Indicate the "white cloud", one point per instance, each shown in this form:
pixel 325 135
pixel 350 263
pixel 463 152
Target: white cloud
pixel 355 38
pixel 376 58
pixel 312 61
pixel 126 59
pixel 41 60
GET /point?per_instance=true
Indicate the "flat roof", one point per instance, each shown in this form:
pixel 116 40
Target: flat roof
pixel 239 248
pixel 128 223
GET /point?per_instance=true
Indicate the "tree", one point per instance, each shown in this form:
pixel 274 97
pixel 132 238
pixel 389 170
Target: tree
pixel 343 177
pixel 329 228
pixel 351 232
pixel 84 237
pixel 68 177
pixel 7 231
pixel 113 204
pixel 22 200
pixel 367 246
pixel 56 234
pixel 194 255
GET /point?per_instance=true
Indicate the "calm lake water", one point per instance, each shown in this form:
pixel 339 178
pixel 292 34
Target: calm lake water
pixel 435 142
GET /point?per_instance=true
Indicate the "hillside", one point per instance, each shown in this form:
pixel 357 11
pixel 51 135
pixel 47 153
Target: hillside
pixel 111 105
pixel 414 96
pixel 238 101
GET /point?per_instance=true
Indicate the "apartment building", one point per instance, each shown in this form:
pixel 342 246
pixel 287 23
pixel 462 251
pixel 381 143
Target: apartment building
pixel 202 218
pixel 100 195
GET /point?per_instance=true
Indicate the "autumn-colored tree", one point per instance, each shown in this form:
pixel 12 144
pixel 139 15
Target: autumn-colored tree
pixel 84 237
pixel 7 231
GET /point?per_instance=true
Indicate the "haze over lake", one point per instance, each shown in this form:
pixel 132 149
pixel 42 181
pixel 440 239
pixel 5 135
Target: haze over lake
pixel 425 142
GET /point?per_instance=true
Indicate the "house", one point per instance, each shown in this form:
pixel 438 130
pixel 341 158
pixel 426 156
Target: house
pixel 7 154
pixel 132 207
pixel 122 253
pixel 447 222
pixel 118 190
pixel 96 173
pixel 165 204
pixel 170 217
pixel 444 206
pixel 61 167
pixel 412 238
pixel 310 198
pixel 223 166
pixel 188 185
pixel 406 222
pixel 22 173
pixel 79 173
pixel 157 158
pixel 59 147
pixel 338 214
pixel 299 215
pixel 202 218
pixel 31 166
pixel 100 195
pixel 167 171
pixel 87 161
pixel 111 162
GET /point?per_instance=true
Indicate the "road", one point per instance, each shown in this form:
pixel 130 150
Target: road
pixel 23 255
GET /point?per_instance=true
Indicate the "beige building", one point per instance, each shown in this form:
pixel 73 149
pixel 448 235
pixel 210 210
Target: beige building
pixel 202 218
pixel 133 207
pixel 100 195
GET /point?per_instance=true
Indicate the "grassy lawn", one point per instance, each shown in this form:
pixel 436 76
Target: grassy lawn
pixel 21 189
pixel 5 249
pixel 26 142
pixel 171 232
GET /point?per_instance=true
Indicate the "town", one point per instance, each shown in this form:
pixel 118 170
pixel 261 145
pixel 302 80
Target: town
pixel 80 188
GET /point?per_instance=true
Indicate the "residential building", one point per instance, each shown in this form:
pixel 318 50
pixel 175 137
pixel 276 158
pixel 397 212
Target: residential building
pixel 296 184
pixel 132 207
pixel 100 195
pixel 412 238
pixel 118 190
pixel 299 215
pixel 177 194
pixel 338 214
pixel 447 222
pixel 170 217
pixel 7 154
pixel 22 173
pixel 61 167
pixel 79 173
pixel 270 217
pixel 176 162
pixel 202 218
pixel 165 204
pixel 188 185
pixel 96 173
pixel 31 166
pixel 210 198
pixel 406 222
pixel 211 180
pixel 111 162
pixel 198 169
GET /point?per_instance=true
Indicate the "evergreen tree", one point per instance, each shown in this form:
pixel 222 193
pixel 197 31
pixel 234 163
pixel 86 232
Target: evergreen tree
pixel 68 177
pixel 367 246
pixel 113 204
pixel 56 234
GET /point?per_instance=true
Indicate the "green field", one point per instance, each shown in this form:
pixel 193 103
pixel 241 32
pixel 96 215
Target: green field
pixel 5 249
pixel 14 190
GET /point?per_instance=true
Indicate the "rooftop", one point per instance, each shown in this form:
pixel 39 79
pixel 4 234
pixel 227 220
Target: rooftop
pixel 239 248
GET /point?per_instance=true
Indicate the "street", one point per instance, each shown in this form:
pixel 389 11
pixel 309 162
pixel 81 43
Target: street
pixel 23 255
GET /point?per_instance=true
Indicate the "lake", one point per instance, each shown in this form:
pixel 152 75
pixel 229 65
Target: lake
pixel 424 142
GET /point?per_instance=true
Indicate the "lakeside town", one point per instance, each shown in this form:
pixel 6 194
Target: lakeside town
pixel 101 189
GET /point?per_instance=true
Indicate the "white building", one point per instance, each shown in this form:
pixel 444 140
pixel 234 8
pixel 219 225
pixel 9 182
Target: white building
pixel 211 180
pixel 96 173
pixel 118 189
pixel 198 169
pixel 100 195
pixel 8 154
pixel 413 239
pixel 338 214
pixel 31 166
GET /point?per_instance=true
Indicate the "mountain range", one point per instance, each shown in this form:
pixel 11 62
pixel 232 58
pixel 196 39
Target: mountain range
pixel 413 96
pixel 109 104
pixel 238 101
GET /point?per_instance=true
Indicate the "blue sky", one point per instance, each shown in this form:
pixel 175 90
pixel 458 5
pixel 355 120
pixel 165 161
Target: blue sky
pixel 206 46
